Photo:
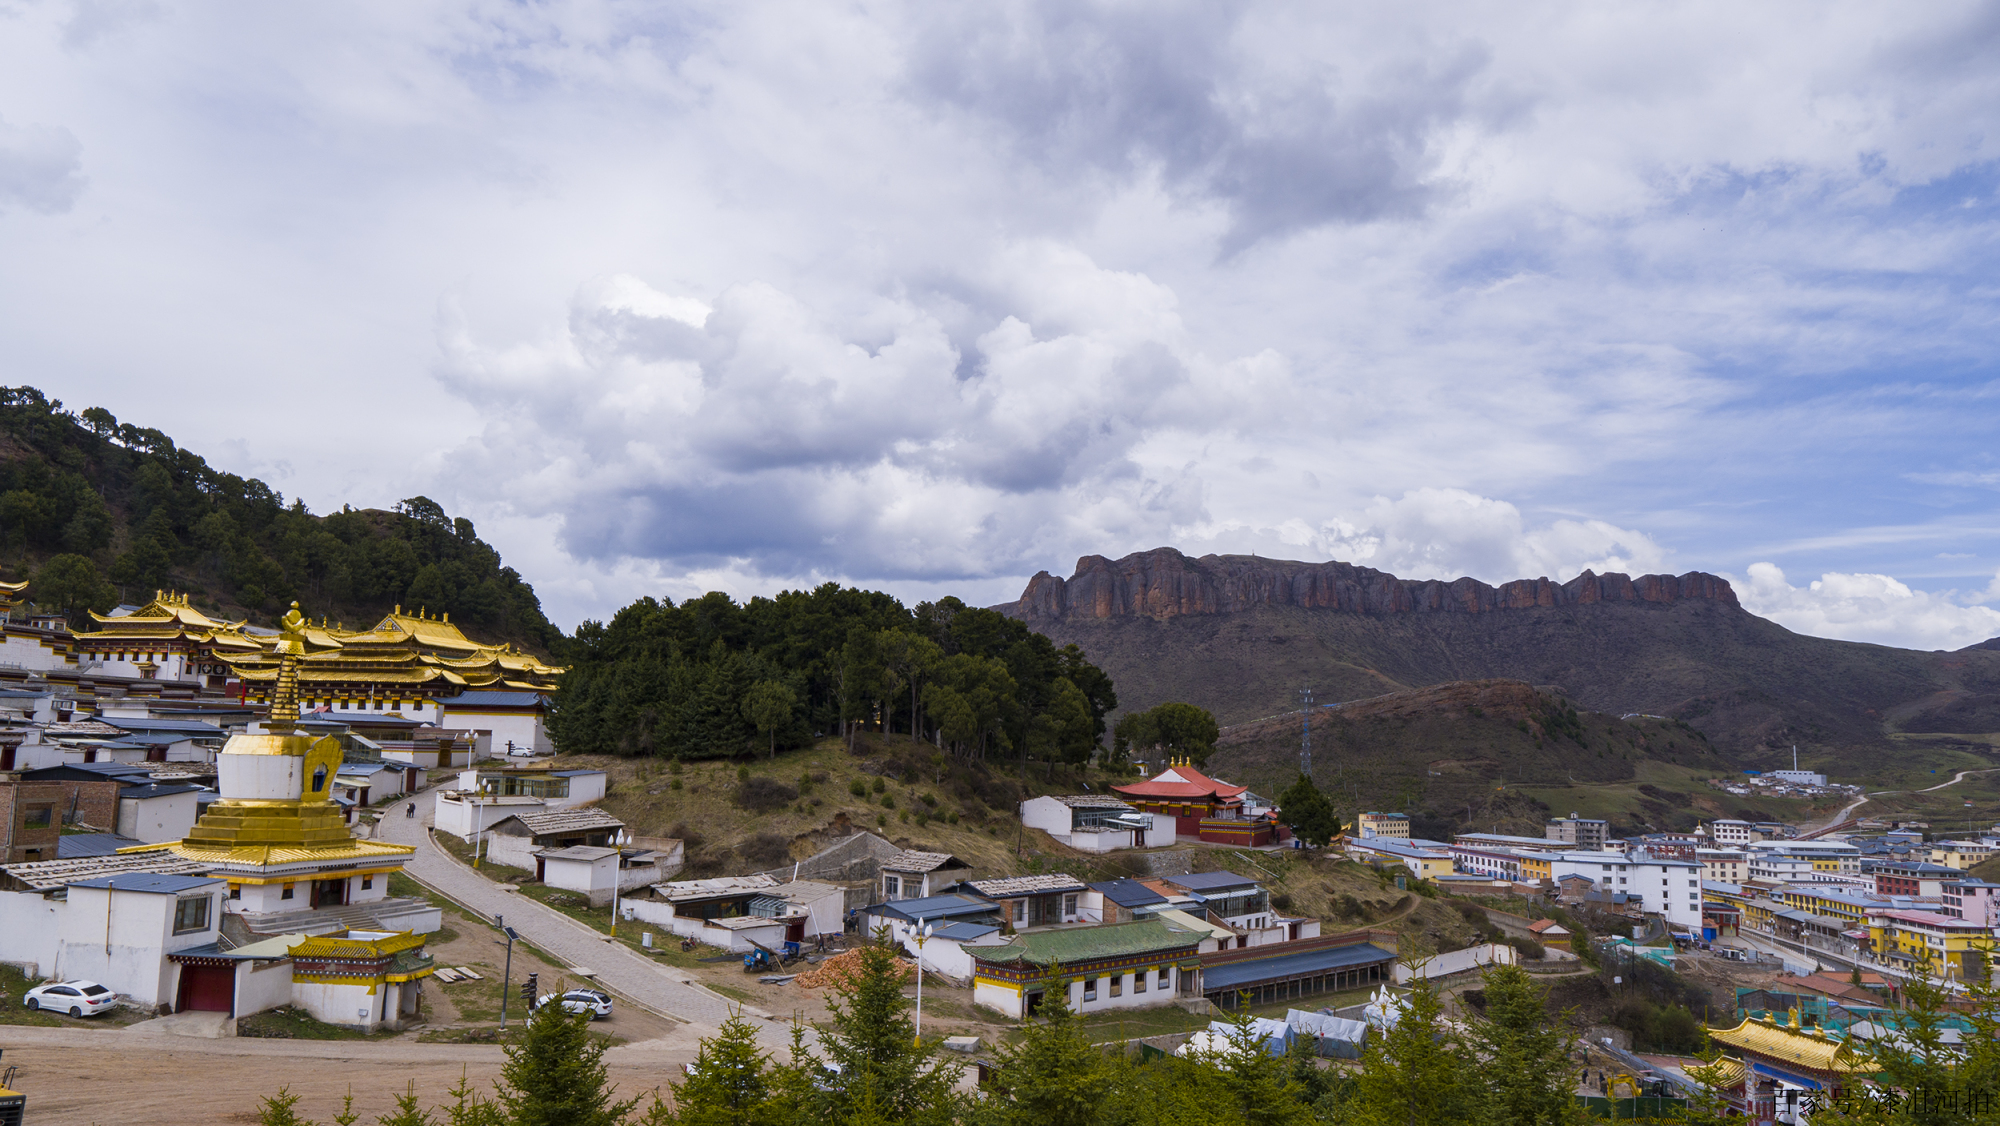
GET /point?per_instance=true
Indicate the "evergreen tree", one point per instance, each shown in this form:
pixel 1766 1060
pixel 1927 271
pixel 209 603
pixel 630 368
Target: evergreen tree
pixel 281 1110
pixel 1524 1055
pixel 555 1075
pixel 881 1072
pixel 1257 1084
pixel 1306 809
pixel 1055 1076
pixel 729 1083
pixel 409 1112
pixel 1416 1073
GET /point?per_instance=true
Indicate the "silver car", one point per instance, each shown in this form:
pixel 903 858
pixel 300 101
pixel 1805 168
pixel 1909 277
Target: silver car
pixel 596 1002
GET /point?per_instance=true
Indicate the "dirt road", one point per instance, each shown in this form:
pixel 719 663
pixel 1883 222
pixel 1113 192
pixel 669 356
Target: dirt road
pixel 80 1077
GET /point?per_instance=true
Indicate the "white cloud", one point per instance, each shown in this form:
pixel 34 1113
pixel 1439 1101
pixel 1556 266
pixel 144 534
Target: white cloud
pixel 41 168
pixel 1875 608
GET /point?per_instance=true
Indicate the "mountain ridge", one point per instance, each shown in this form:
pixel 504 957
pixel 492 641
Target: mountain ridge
pixel 1240 635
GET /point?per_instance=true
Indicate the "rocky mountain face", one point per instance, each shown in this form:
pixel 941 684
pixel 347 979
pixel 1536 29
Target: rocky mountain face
pixel 1163 583
pixel 1240 635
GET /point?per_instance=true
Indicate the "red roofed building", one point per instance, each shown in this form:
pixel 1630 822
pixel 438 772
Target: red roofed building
pixel 1201 807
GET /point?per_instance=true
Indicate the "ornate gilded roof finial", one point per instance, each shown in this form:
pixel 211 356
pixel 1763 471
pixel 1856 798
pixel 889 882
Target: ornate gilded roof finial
pixel 291 646
pixel 1793 1019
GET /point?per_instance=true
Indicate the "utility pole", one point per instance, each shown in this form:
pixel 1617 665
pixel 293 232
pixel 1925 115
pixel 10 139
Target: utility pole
pixel 507 974
pixel 1306 736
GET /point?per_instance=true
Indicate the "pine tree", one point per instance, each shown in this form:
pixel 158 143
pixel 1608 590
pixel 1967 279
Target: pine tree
pixel 871 1044
pixel 281 1110
pixel 1055 1076
pixel 469 1107
pixel 1257 1083
pixel 1525 1056
pixel 729 1083
pixel 408 1111
pixel 555 1076
pixel 1306 809
pixel 1416 1073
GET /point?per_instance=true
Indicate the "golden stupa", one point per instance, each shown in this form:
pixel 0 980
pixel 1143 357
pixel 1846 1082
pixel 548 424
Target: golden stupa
pixel 277 805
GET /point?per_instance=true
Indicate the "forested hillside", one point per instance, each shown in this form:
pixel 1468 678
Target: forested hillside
pixel 711 678
pixel 97 511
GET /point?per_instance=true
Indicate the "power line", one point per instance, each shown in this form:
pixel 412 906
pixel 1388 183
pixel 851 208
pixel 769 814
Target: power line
pixel 1306 737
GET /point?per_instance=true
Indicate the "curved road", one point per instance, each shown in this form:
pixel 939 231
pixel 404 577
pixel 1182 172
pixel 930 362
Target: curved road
pixel 1863 799
pixel 666 990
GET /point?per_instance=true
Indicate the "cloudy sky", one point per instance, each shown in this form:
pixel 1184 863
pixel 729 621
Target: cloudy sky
pixel 929 297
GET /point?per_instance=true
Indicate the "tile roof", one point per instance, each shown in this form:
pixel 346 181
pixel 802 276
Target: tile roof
pixel 1082 944
pixel 1090 801
pixel 910 860
pixel 687 890
pixel 547 821
pixel 1008 886
pixel 43 875
pixel 1185 783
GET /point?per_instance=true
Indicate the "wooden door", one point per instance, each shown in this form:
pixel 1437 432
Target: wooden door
pixel 207 989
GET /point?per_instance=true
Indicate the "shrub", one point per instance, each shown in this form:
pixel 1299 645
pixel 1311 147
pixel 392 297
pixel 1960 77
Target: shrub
pixel 1282 901
pixel 1527 948
pixel 904 817
pixel 673 766
pixel 743 775
pixel 687 836
pixel 766 850
pixel 762 795
pixel 930 799
pixel 858 788
pixel 880 786
pixel 888 801
pixel 805 783
pixel 881 821
pixel 675 785
pixel 923 819
pixel 952 817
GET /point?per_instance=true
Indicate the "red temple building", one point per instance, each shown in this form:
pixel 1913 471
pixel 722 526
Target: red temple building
pixel 1201 808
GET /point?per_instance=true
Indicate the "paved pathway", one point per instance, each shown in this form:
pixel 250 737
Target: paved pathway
pixel 666 990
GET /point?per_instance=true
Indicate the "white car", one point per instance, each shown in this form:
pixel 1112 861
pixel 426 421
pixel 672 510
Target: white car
pixel 77 998
pixel 596 1002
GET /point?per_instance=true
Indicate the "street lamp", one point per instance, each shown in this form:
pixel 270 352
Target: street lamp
pixel 507 974
pixel 921 934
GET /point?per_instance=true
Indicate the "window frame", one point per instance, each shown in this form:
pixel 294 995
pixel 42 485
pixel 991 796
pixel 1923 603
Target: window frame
pixel 38 815
pixel 182 925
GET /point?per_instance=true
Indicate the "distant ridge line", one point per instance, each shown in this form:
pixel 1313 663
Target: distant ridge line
pixel 1164 583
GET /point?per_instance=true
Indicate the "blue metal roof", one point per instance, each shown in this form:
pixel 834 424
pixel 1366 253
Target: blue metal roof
pixel 1211 881
pixel 1237 974
pixel 934 907
pixel 963 932
pixel 572 773
pixel 1129 893
pixel 496 700
pixel 154 882
pixel 72 846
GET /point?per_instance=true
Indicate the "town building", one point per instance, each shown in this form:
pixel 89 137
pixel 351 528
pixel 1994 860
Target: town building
pixel 739 913
pixel 1915 878
pixel 1973 900
pixel 1267 975
pixel 1088 822
pixel 1668 888
pixel 485 795
pixel 1723 865
pixel 165 640
pixel 1199 808
pixel 1031 901
pixel 912 874
pixel 1952 948
pixel 1962 855
pixel 1584 832
pixel 1376 824
pixel 503 723
pixel 1426 863
pixel 1242 904
pixel 1729 832
pixel 1145 964
pixel 1506 841
pixel 1122 901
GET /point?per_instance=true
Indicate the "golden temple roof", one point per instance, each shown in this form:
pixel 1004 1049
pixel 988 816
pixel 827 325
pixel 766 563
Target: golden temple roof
pixel 1807 1048
pixel 11 589
pixel 401 649
pixel 167 608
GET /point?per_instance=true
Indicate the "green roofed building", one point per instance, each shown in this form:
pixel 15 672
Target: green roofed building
pixel 1138 965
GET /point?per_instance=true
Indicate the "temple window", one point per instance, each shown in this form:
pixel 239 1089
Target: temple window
pixel 286 893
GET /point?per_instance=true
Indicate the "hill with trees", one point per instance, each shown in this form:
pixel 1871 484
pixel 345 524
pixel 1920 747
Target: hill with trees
pixel 712 678
pixel 96 512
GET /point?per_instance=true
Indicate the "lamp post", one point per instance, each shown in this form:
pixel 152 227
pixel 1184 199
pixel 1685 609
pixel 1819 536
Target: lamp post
pixel 921 934
pixel 507 974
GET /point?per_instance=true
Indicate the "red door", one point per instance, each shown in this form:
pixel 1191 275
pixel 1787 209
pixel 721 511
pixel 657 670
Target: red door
pixel 207 989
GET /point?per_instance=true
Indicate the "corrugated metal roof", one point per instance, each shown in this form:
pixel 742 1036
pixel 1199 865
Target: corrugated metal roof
pixel 155 883
pixel 1210 881
pixel 1129 893
pixel 1236 975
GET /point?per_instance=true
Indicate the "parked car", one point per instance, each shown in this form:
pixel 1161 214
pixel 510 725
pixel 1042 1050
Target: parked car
pixel 596 1002
pixel 77 998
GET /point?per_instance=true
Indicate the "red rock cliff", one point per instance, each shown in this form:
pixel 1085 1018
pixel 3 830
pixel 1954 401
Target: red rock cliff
pixel 1163 583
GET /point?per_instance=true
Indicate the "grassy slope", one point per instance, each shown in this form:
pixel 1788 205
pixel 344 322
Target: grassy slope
pixel 1495 754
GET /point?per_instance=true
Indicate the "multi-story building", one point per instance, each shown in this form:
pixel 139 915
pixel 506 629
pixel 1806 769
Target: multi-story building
pixel 1729 832
pixel 1961 855
pixel 1425 863
pixel 1917 878
pixel 1499 863
pixel 1780 867
pixel 1723 865
pixel 1583 832
pixel 1952 947
pixel 1520 844
pixel 1972 900
pixel 1376 824
pixel 1666 887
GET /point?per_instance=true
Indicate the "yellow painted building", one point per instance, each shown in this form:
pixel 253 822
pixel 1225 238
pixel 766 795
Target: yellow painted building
pixel 1825 903
pixel 1962 855
pixel 1950 945
pixel 1535 867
